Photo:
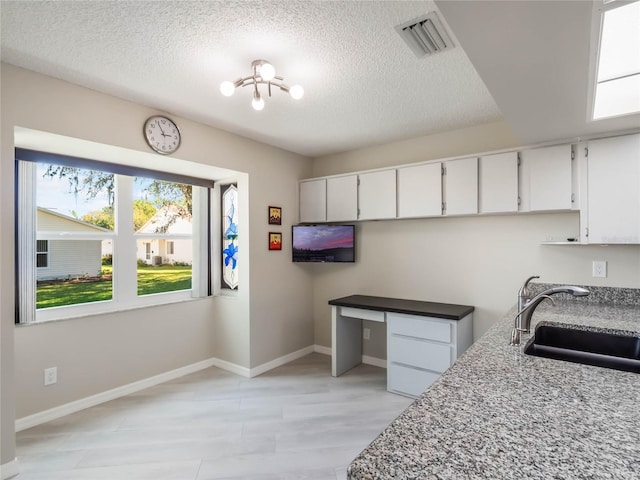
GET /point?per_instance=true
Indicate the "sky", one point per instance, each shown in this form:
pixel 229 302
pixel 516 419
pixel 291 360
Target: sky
pixel 56 194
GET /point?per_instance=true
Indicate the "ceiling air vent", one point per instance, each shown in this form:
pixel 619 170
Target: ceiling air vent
pixel 425 35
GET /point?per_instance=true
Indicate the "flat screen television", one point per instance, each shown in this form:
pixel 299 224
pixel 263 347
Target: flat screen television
pixel 323 243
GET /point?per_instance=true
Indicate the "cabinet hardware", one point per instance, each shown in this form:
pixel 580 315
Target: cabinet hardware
pixel 444 171
pixel 586 151
pixel 573 198
pixel 519 200
pixel 573 154
pixel 444 207
pixel 519 160
pixel 586 230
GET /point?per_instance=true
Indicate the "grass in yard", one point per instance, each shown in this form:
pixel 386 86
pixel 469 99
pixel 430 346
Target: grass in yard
pixel 165 278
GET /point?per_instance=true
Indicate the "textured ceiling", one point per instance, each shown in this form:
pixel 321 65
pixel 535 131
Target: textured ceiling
pixel 363 86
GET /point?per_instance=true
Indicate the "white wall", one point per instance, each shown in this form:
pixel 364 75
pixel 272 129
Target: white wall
pixel 100 352
pixel 477 260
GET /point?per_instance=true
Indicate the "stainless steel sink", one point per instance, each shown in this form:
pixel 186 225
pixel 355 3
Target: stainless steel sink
pixel 609 349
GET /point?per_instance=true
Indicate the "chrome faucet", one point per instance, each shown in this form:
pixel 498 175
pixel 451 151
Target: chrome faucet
pixel 522 320
pixel 524 296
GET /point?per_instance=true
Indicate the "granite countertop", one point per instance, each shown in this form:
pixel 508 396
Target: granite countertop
pixel 500 414
pixel 449 311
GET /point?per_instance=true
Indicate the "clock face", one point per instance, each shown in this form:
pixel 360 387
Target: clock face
pixel 162 134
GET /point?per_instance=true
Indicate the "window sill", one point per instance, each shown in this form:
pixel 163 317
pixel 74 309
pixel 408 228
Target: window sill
pixel 78 315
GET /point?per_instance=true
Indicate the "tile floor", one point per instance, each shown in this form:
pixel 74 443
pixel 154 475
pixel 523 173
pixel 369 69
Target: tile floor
pixel 295 422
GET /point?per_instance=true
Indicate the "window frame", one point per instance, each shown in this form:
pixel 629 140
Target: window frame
pixel 124 274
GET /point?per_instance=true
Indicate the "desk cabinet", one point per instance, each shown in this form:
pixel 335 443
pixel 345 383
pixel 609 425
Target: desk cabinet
pixel 420 349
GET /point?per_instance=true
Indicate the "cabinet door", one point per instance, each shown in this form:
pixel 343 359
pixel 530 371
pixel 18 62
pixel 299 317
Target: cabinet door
pixel 313 200
pixel 546 179
pixel 498 183
pixel 613 190
pixel 342 198
pixel 377 195
pixel 461 186
pixel 420 191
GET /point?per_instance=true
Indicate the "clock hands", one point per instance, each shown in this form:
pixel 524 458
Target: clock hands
pixel 161 130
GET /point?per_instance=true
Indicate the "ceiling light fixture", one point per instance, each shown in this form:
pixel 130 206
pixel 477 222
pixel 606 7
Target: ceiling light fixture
pixel 263 74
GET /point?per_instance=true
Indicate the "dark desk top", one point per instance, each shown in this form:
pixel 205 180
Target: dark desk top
pixel 398 305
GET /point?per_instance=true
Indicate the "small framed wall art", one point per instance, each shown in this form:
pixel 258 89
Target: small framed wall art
pixel 275 241
pixel 275 216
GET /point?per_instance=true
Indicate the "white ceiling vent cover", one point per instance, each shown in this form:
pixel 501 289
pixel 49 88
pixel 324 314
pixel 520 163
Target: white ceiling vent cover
pixel 425 35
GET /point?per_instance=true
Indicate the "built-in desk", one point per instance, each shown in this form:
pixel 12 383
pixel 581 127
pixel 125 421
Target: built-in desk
pixel 423 338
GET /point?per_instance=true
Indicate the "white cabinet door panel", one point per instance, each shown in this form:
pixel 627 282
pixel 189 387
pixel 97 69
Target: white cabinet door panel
pixel 613 166
pixel 498 183
pixel 377 195
pixel 547 178
pixel 461 186
pixel 313 201
pixel 342 198
pixel 420 191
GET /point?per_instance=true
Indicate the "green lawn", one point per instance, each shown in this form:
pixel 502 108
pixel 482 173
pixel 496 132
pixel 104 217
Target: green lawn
pixel 166 278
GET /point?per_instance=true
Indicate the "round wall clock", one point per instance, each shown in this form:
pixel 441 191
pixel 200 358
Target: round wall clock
pixel 162 134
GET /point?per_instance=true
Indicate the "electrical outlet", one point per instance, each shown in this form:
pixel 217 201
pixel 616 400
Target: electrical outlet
pixel 366 333
pixel 600 268
pixel 50 376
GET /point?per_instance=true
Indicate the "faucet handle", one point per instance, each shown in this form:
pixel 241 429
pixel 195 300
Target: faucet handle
pixel 524 289
pixel 553 302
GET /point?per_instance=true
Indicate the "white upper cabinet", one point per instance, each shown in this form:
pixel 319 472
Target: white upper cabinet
pixel 377 195
pixel 546 179
pixel 342 198
pixel 461 186
pixel 498 183
pixel 613 190
pixel 313 200
pixel 420 191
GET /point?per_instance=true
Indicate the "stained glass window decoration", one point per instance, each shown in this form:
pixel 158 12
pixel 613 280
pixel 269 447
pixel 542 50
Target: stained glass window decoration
pixel 230 237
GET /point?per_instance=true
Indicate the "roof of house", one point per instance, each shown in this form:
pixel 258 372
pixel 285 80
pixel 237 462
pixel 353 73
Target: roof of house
pixel 72 223
pixel 168 219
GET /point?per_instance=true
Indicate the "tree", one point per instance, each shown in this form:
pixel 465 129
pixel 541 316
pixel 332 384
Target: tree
pixel 102 218
pixel 143 210
pixel 92 182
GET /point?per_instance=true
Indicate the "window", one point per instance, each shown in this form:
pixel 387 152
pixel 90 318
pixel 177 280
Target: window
pixel 229 220
pixel 100 240
pixel 42 253
pixel 617 84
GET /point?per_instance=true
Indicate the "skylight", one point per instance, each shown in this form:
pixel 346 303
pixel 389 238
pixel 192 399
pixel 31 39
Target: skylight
pixel 618 75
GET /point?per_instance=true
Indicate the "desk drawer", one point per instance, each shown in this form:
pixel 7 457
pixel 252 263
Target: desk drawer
pixel 419 353
pixel 420 327
pixel 373 315
pixel 409 381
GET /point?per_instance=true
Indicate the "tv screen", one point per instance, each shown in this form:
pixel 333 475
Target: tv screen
pixel 324 243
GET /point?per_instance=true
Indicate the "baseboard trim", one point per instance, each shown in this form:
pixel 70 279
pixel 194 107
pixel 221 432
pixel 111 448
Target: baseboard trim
pixel 93 400
pixel 77 405
pixel 231 367
pixel 278 362
pixel 376 362
pixel 322 349
pixel 9 469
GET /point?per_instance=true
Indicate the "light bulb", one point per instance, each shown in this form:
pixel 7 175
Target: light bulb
pixel 267 72
pixel 296 92
pixel 257 103
pixel 227 88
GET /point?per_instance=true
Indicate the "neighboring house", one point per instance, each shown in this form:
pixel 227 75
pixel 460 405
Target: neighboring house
pixel 68 258
pixel 158 251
